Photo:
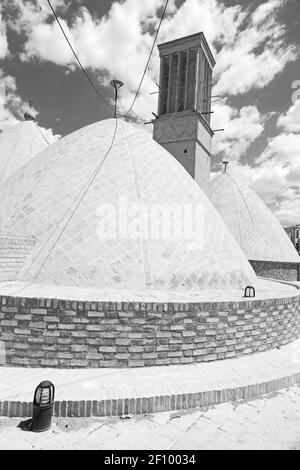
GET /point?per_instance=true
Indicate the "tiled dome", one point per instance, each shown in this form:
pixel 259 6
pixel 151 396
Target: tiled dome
pixel 18 144
pixel 252 224
pixel 60 199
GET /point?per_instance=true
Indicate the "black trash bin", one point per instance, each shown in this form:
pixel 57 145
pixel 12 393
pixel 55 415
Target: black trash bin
pixel 43 402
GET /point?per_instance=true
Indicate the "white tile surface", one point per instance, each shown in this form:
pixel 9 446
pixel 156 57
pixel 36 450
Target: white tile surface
pixel 255 228
pixel 42 201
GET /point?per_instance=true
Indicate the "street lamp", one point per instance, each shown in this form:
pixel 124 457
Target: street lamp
pixel 43 402
pixel 116 84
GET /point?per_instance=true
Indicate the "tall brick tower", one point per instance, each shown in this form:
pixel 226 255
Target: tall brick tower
pixel 184 107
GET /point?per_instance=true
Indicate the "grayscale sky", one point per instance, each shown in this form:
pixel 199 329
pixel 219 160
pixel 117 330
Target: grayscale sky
pixel 256 47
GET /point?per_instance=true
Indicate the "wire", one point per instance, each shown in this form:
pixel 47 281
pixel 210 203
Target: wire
pixel 18 206
pixel 77 58
pixel 150 55
pixel 85 190
pixel 42 134
pixel 136 118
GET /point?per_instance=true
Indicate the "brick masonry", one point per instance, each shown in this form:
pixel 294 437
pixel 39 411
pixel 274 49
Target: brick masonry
pixel 13 254
pixel 58 333
pixel 277 270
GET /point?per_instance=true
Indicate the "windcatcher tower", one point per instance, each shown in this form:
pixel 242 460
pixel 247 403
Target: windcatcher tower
pixel 184 107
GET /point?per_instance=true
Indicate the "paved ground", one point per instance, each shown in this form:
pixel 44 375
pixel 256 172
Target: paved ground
pixel 271 422
pixel 266 289
pixel 108 384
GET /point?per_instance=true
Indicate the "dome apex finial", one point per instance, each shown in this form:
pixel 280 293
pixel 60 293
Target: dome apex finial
pixel 28 115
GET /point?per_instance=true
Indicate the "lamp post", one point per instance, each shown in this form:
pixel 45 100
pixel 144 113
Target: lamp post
pixel 116 84
pixel 225 163
pixel 43 402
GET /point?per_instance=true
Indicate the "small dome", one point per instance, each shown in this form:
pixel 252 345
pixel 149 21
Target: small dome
pixel 80 186
pixel 252 224
pixel 18 144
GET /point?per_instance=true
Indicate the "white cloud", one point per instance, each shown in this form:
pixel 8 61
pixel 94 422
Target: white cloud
pixel 288 208
pixel 275 177
pixel 10 103
pixel 248 70
pixel 256 54
pixel 49 135
pixel 250 49
pixel 52 47
pixel 3 38
pixel 242 127
pixel 12 107
pixel 264 10
pixel 31 12
pixel 290 121
pixel 251 46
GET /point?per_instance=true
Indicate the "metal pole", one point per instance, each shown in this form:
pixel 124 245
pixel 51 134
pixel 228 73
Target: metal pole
pixel 117 84
pixel 116 100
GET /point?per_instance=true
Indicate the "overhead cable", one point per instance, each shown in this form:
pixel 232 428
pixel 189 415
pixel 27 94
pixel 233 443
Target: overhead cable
pixel 150 55
pixel 77 58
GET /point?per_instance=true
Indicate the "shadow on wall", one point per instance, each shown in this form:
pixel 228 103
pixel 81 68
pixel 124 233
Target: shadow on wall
pixel 277 270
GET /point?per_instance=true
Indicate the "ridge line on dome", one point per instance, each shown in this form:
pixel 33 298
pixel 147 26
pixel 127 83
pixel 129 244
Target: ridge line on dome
pixel 8 160
pixel 30 141
pixel 25 268
pixel 2 178
pixel 264 239
pixel 275 232
pixel 40 131
pixel 238 216
pixel 56 145
pixel 80 254
pixel 146 264
pixel 218 176
pixel 242 198
pixel 58 155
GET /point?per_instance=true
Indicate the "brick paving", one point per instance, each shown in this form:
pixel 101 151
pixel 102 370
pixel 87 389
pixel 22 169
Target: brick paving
pixel 271 422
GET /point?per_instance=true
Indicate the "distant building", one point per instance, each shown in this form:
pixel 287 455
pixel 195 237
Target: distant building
pixel 18 144
pixel 294 235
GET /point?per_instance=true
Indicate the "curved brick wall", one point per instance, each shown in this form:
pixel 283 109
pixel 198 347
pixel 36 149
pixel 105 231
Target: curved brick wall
pixel 54 333
pixel 277 270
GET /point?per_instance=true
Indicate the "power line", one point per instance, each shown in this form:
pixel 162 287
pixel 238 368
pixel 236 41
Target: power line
pixel 87 75
pixel 42 134
pixel 38 182
pixel 150 55
pixel 77 58
pixel 136 118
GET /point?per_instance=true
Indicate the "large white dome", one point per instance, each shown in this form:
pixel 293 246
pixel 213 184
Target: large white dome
pixel 252 224
pixel 18 144
pixel 60 196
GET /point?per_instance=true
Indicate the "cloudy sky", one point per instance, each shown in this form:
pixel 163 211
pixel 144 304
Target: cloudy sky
pixel 256 46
